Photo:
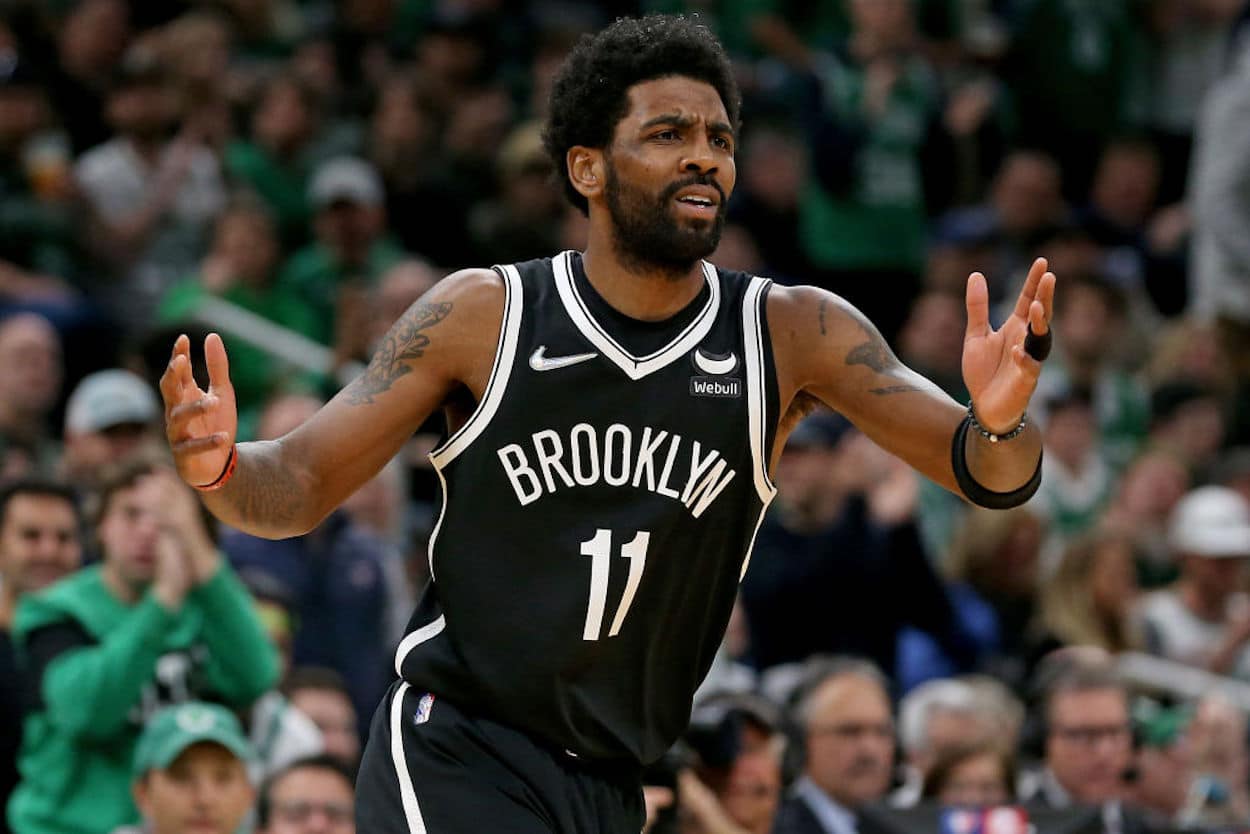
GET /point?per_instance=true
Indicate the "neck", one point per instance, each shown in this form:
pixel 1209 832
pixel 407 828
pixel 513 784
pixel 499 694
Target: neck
pixel 126 592
pixel 1204 606
pixel 8 605
pixel 641 290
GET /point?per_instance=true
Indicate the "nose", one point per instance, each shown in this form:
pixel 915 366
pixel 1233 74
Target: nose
pixel 699 158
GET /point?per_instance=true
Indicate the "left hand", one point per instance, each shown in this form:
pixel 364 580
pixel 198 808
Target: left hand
pixel 999 375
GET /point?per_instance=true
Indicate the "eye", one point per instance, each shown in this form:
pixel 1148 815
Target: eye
pixel 666 135
pixel 722 142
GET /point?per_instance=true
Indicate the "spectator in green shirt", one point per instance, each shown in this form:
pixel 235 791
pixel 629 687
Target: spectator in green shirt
pixel 242 268
pixel 161 620
pixel 351 249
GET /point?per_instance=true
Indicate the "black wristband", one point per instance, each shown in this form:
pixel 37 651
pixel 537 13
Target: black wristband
pixel 1038 346
pixel 978 494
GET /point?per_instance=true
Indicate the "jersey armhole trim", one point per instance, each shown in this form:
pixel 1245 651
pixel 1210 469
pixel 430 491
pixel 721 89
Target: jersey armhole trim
pixel 505 354
pixel 756 378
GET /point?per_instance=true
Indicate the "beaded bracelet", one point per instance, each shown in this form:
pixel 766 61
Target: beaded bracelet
pixel 225 473
pixel 989 435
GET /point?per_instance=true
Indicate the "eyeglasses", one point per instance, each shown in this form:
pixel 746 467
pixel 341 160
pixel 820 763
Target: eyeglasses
pixel 1092 735
pixel 853 731
pixel 298 811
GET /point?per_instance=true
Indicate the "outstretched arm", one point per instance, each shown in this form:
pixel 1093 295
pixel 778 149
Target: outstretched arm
pixel 285 487
pixel 836 355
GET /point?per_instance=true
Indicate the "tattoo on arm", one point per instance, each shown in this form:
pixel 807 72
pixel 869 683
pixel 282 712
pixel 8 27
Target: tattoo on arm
pixel 404 342
pixel 875 355
pixel 824 302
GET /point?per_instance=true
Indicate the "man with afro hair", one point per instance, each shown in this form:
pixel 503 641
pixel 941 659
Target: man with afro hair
pixel 615 414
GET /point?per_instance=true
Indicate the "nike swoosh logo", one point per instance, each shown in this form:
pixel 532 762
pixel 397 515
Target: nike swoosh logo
pixel 709 365
pixel 540 362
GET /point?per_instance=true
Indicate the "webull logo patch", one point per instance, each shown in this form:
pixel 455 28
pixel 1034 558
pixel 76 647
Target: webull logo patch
pixel 706 386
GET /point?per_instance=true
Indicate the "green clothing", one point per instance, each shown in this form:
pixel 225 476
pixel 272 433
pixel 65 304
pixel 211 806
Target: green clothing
pixel 254 372
pixel 283 186
pixel 879 221
pixel 314 276
pixel 121 664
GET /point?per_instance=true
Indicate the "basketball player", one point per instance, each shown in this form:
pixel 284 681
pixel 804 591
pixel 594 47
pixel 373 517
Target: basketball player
pixel 615 414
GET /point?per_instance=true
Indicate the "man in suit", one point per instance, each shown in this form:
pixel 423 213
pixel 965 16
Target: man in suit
pixel 1088 747
pixel 848 731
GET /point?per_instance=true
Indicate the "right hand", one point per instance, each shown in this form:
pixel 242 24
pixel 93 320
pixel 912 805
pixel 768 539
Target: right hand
pixel 175 575
pixel 200 425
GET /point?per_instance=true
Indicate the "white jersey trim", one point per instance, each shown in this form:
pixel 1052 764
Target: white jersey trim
pixel 757 394
pixel 412 810
pixel 505 353
pixel 635 367
pixel 426 632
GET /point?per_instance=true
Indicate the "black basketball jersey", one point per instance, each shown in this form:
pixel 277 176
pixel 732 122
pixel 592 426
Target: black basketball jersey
pixel 598 513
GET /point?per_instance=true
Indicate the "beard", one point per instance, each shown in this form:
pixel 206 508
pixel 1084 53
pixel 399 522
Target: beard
pixel 647 234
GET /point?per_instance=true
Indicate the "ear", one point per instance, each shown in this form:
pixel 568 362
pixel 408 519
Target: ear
pixel 139 790
pixel 586 170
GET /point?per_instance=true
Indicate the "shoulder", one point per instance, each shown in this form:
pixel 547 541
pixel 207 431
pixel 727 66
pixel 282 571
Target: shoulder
pixel 805 313
pixel 64 600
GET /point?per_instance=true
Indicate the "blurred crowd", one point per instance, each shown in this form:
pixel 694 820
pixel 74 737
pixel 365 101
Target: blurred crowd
pixel 294 173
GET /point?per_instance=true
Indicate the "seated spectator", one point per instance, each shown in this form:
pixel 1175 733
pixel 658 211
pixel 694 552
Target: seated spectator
pixel 1188 421
pixel 275 160
pixel 151 193
pixel 841 529
pixel 1089 599
pixel 40 543
pixel 321 695
pixel 523 221
pixel 934 718
pixel 190 772
pixel 279 732
pixel 844 715
pixel 351 246
pixel 315 795
pixel 1203 619
pixel 1142 504
pixel 30 382
pixel 109 415
pixel 1090 322
pixel 1163 762
pixel 242 267
pixel 995 561
pixel 1088 742
pixel 1077 481
pixel 161 620
pixel 972 775
pixel 735 784
pixel 1218 798
pixel 337 576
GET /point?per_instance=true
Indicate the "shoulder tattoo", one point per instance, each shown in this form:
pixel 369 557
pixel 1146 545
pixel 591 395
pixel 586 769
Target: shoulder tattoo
pixel 407 340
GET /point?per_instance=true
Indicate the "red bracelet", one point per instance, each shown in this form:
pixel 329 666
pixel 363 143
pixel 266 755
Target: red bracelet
pixel 226 473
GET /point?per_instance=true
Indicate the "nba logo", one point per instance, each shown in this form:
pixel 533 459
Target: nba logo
pixel 423 708
pixel 959 821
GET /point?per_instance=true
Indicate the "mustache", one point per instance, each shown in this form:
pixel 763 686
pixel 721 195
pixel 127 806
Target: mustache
pixel 697 179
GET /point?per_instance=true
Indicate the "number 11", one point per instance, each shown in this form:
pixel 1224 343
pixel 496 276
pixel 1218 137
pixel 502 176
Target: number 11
pixel 599 549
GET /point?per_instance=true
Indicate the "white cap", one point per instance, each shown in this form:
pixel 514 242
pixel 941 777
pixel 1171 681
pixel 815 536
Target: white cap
pixel 345 178
pixel 1211 521
pixel 110 398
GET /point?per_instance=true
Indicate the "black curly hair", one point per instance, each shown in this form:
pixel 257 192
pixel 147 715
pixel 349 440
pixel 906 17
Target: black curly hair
pixel 590 94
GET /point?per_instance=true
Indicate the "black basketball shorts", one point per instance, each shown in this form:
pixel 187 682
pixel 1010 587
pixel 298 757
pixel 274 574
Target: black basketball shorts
pixel 429 768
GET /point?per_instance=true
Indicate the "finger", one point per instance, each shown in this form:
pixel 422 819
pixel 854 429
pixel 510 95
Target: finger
pixel 190 410
pixel 1037 318
pixel 194 445
pixel 1030 287
pixel 218 364
pixel 978 302
pixel 187 389
pixel 1046 294
pixel 171 380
